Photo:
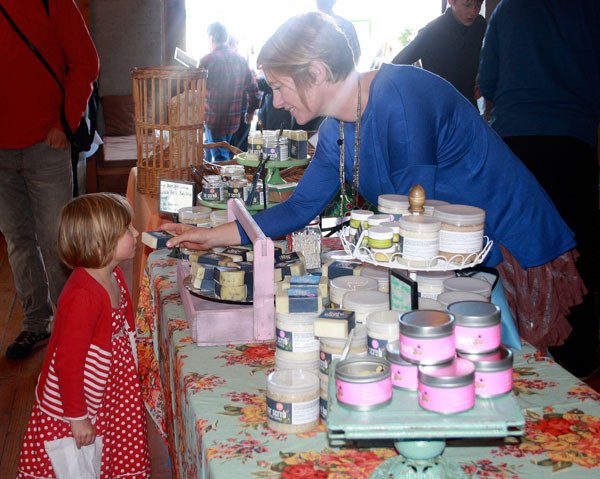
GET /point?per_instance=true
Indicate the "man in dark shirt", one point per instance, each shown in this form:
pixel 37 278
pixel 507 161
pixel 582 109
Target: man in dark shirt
pixel 229 79
pixel 326 6
pixel 449 46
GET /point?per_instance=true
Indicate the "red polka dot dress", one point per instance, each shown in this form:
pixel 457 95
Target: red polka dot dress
pixel 120 418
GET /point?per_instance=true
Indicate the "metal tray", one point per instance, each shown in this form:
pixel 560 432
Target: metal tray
pixel 208 294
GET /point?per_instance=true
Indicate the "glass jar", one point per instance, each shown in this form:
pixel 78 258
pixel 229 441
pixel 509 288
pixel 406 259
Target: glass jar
pixel 229 172
pixel 308 242
pixel 212 188
pixel 271 147
pixel 461 232
pixel 237 188
pixel 419 240
pixel 283 148
pixel 255 145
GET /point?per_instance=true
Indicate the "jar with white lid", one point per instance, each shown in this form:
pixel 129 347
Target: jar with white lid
pixel 381 243
pixel 430 206
pixel 461 233
pixel 365 302
pixel 255 144
pixel 332 348
pixel 431 283
pixel 294 336
pixel 358 218
pixel 376 220
pixel 419 240
pixel 428 303
pixel 292 401
pixel 194 215
pixel 379 274
pixel 395 227
pixel 382 327
pixel 339 286
pixel 396 205
pixel 449 297
pixel 290 361
pixel 470 285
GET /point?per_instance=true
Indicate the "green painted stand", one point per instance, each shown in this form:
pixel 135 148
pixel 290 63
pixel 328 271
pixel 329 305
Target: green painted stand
pixel 273 167
pixel 420 435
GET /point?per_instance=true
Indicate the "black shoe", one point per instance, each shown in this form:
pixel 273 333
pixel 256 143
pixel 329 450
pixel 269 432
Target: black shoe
pixel 25 343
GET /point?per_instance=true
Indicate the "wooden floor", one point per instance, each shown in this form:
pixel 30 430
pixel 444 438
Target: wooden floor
pixel 17 383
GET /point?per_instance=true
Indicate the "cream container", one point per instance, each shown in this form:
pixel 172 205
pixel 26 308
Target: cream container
pixel 358 218
pixel 404 374
pixel 477 328
pixel 395 205
pixel 339 286
pixel 428 303
pixel 365 302
pixel 363 384
pixel 430 206
pixel 447 388
pixel 493 372
pixel 470 285
pixel 291 361
pixel 419 240
pixel 427 337
pixel 384 255
pixel 324 396
pixel 194 215
pixel 376 220
pixel 395 227
pixel 294 336
pixel 292 401
pixel 461 233
pixel 382 327
pixel 449 297
pixel 380 237
pixel 431 283
pixel 331 348
pixel 379 274
pixel 218 217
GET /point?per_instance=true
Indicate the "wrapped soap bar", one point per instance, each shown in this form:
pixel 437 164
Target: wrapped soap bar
pixel 334 323
pixel 204 284
pixel 334 268
pixel 306 281
pixel 231 293
pixel 227 276
pixel 238 254
pixel 299 300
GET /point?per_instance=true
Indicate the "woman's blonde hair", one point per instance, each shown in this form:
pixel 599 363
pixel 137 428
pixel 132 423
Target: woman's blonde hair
pixel 90 227
pixel 300 41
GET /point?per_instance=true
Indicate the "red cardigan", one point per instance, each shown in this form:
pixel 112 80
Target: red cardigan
pixel 30 99
pixel 83 324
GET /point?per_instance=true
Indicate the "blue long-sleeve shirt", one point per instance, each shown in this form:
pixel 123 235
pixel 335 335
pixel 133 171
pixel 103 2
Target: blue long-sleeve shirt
pixel 540 65
pixel 417 128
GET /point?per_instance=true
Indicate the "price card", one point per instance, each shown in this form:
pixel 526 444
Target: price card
pixel 174 195
pixel 403 292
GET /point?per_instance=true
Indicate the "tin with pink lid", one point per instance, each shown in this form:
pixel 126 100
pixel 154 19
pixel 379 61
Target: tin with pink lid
pixel 449 388
pixel 427 337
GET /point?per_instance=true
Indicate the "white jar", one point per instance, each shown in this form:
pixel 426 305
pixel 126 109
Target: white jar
pixel 365 302
pixel 381 243
pixel 470 285
pixel 291 361
pixel 395 227
pixel 339 286
pixel 379 274
pixel 194 215
pixel 332 348
pixel 419 240
pixel 431 205
pixel 449 297
pixel 431 283
pixel 294 336
pixel 358 218
pixel 218 217
pixel 376 220
pixel 461 234
pixel 396 205
pixel 382 328
pixel 292 401
pixel 431 304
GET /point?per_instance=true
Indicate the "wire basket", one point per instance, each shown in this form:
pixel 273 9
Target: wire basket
pixel 169 123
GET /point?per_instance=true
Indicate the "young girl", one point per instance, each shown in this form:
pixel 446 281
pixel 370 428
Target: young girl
pixel 88 386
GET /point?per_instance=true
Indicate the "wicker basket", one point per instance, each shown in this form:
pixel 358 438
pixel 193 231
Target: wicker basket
pixel 169 123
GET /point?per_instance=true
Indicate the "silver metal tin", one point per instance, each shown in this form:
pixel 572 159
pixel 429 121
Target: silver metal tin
pixel 392 352
pixel 353 370
pixel 457 374
pixel 475 314
pixel 495 361
pixel 425 323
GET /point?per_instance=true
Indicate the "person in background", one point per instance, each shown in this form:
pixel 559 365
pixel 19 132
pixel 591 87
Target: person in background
pixel 229 79
pixel 240 137
pixel 326 7
pixel 540 69
pixel 88 386
pixel 36 178
pixel 414 128
pixel 449 46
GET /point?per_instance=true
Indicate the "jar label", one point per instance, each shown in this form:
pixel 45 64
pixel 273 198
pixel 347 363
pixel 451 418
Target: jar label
pixel 427 350
pixel 413 248
pixel 404 376
pixel 446 400
pixel 297 342
pixel 461 242
pixel 325 360
pixel 376 347
pixel 490 384
pixel 293 413
pixel 477 340
pixel 323 408
pixel 364 394
pixel 211 194
pixel 235 192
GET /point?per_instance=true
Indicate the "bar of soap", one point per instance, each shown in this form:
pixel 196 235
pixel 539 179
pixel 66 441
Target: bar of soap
pixel 204 284
pixel 298 300
pixel 334 323
pixel 231 293
pixel 306 281
pixel 202 271
pixel 226 276
pixel 289 268
pixel 238 254
pixel 213 258
pixel 334 269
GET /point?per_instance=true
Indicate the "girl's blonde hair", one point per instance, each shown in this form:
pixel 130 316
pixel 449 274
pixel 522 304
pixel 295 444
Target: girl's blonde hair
pixel 90 227
pixel 300 41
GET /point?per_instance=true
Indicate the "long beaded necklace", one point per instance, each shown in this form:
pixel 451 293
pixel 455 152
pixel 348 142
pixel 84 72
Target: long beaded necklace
pixel 344 201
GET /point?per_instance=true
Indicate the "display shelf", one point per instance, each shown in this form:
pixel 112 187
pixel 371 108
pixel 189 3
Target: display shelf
pixel 437 263
pixel 420 435
pixel 272 166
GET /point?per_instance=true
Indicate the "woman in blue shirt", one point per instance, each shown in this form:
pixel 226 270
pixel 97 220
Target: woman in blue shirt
pixel 414 127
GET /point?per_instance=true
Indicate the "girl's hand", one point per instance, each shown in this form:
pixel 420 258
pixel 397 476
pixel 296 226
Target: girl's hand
pixel 201 238
pixel 83 432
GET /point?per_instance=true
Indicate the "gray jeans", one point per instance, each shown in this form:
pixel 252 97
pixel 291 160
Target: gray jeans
pixel 35 183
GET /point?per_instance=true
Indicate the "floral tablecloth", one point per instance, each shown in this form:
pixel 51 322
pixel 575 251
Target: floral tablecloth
pixel 209 402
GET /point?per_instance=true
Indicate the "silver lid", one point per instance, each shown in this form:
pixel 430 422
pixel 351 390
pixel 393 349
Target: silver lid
pixel 362 370
pixel 460 372
pixel 392 351
pixel 499 360
pixel 472 314
pixel 426 323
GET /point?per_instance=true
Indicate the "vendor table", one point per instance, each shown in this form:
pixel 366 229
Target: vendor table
pixel 210 404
